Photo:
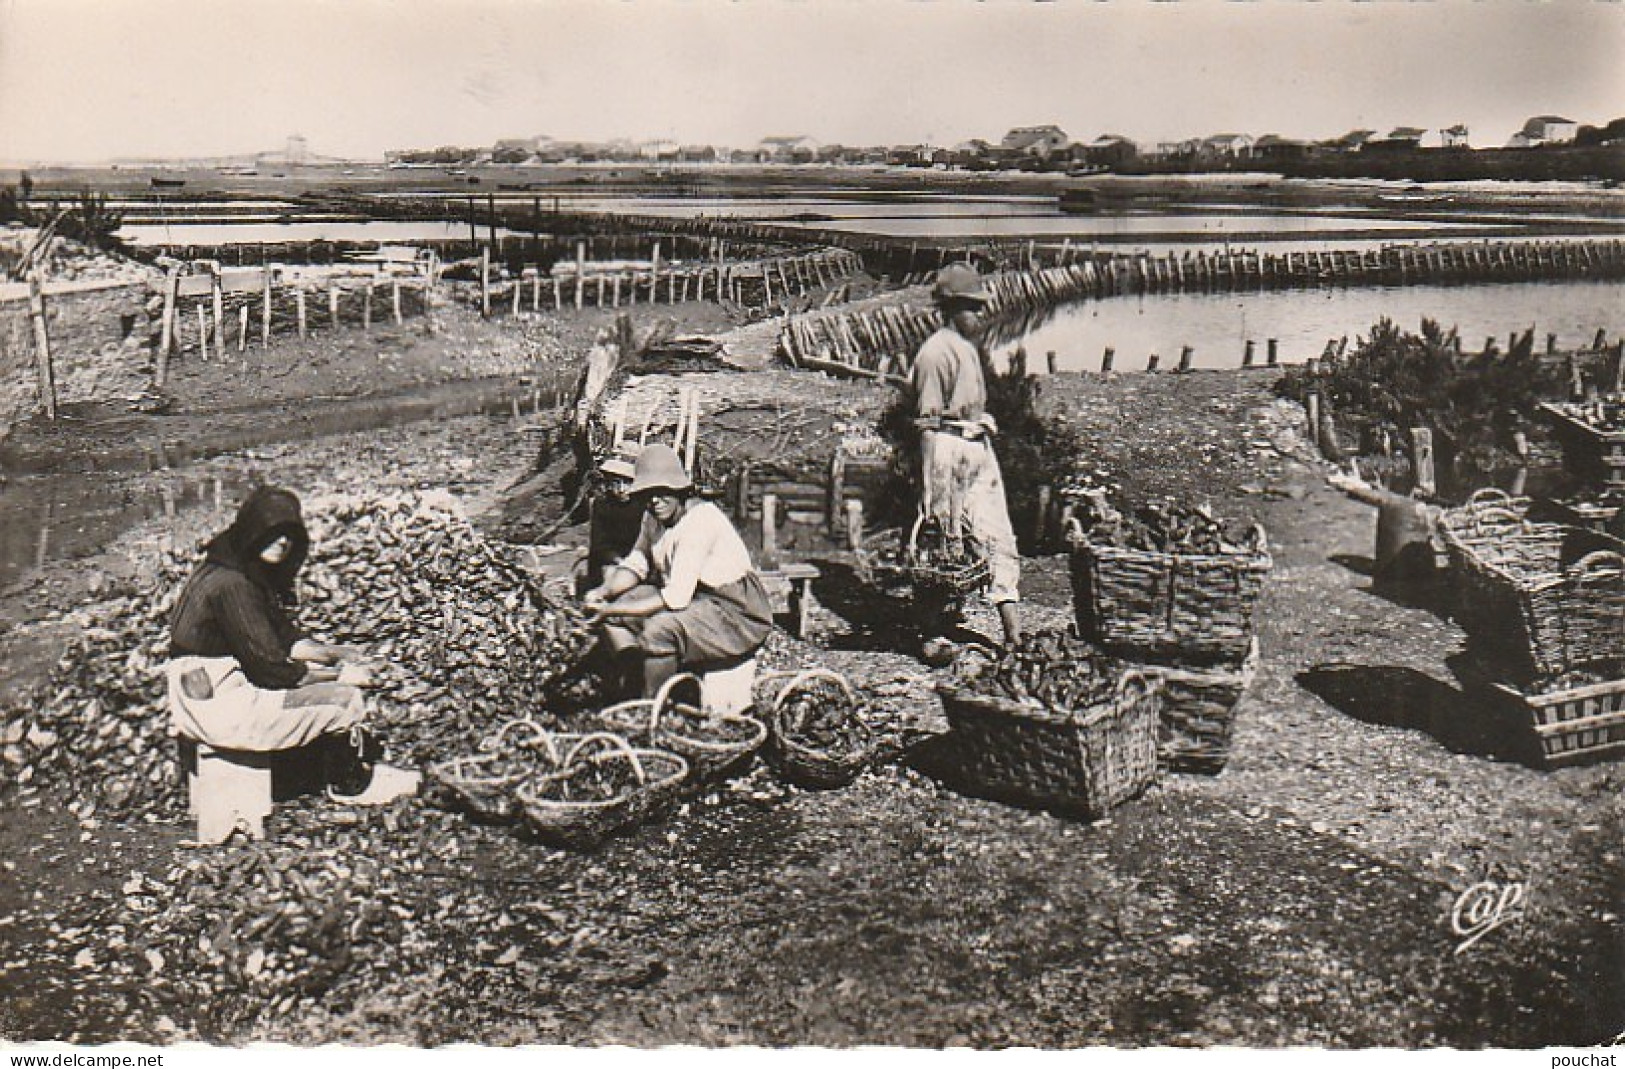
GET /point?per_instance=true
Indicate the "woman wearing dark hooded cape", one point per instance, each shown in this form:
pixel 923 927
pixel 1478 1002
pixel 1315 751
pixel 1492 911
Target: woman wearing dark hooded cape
pixel 242 675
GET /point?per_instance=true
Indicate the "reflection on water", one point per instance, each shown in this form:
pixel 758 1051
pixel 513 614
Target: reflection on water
pixel 253 233
pixel 1219 325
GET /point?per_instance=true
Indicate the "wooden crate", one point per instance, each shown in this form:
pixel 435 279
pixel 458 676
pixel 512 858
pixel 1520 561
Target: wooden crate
pixel 1572 726
pixel 1587 450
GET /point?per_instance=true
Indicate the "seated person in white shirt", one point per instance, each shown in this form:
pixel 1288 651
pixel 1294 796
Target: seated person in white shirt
pixel 687 595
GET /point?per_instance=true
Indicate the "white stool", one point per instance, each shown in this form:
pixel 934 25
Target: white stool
pixel 727 689
pixel 227 789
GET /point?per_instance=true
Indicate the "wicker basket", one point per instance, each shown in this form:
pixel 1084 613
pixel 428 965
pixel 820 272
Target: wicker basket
pixel 1193 606
pixel 681 728
pixel 1198 706
pixel 796 759
pixel 484 783
pixel 908 563
pixel 584 823
pixel 1086 761
pixel 1572 726
pixel 1537 600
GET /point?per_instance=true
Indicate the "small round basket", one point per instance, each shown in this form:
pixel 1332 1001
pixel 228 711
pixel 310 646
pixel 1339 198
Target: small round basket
pixel 603 784
pixel 713 744
pixel 825 751
pixel 483 783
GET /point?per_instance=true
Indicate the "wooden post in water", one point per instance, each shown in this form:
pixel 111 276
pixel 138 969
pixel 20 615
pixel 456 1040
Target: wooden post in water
pixel 1273 358
pixel 42 346
pixel 1106 359
pixel 1247 354
pixel 1049 360
pixel 1422 452
pixel 1185 358
pixel 1152 361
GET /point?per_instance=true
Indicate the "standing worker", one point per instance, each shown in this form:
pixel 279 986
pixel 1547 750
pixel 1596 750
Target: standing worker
pixel 961 485
pixel 687 594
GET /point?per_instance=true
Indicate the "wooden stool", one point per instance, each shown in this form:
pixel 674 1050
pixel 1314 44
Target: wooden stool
pixel 226 789
pixel 726 688
pixel 790 588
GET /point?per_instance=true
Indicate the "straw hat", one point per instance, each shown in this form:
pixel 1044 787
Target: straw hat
pixel 659 468
pixel 959 281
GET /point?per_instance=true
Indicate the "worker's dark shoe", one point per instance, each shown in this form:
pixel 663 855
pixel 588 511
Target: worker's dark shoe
pixel 388 783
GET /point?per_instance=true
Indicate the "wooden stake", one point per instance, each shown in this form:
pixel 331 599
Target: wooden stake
pixel 485 282
pixel 332 305
pixel 1106 359
pixel 837 489
pixel 219 317
pixel 366 308
pixel 166 338
pixel 770 531
pixel 299 303
pixel 854 525
pixel 42 347
pixel 1422 451
pixel 202 332
pixel 242 329
pixel 581 270
pixel 265 307
pixel 395 299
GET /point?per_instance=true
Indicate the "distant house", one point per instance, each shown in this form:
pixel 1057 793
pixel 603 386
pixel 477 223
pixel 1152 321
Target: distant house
pixel 1041 142
pixel 658 150
pixel 794 149
pixel 1454 137
pixel 1233 145
pixel 909 155
pixel 1275 147
pixel 697 154
pixel 1107 150
pixel 1353 141
pixel 1544 130
pixel 1406 138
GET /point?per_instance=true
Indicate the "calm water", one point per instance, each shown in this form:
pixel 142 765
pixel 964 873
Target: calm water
pixel 381 230
pixel 1219 325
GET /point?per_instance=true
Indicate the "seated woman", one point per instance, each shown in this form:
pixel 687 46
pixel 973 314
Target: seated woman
pixel 242 676
pixel 687 594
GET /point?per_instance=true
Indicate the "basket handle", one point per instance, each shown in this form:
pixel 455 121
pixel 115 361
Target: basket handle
pixel 621 747
pixel 1485 496
pixel 538 733
pixel 1499 516
pixel 801 679
pixel 662 696
pixel 914 533
pixel 1598 561
pixel 1260 538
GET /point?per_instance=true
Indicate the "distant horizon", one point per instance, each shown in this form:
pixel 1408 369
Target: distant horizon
pixel 320 158
pixel 84 82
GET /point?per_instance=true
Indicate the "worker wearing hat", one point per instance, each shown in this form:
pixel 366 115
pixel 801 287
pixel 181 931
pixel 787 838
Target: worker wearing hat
pixel 687 594
pixel 961 484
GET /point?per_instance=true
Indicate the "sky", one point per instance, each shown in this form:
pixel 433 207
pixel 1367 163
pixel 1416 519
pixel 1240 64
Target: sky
pixel 89 80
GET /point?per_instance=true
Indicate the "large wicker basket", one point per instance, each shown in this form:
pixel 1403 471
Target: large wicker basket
pixel 1537 600
pixel 1193 606
pixel 1198 712
pixel 1588 449
pixel 582 823
pixel 921 566
pixel 666 723
pixel 1571 726
pixel 1086 761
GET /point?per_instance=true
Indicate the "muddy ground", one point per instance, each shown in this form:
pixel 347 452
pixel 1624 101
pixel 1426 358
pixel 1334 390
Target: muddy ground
pixel 1303 896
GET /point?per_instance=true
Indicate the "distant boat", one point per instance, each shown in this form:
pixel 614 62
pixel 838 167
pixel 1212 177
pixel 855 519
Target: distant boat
pixel 167 183
pixel 1077 201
